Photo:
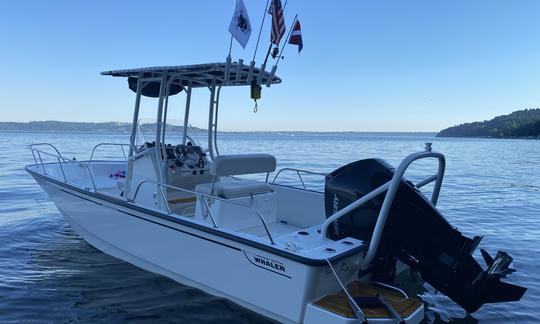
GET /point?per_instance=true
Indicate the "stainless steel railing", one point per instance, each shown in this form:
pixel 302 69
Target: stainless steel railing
pixel 299 173
pixel 61 161
pixel 121 145
pixel 31 146
pixel 205 198
pixel 391 188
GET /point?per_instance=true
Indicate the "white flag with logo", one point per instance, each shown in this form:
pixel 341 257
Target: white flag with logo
pixel 240 26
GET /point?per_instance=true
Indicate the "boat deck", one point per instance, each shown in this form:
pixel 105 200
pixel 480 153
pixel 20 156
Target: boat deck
pixel 338 303
pixel 276 228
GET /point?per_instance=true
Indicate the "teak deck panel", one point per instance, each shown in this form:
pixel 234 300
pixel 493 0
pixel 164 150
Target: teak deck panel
pixel 338 303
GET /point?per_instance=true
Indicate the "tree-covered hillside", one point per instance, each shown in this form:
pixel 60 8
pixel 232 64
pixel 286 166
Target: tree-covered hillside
pixel 519 124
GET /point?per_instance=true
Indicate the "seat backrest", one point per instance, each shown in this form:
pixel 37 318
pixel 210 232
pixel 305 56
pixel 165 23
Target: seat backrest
pixel 237 164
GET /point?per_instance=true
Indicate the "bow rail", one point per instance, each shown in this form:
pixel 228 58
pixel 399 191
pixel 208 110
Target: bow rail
pixel 121 145
pixel 61 161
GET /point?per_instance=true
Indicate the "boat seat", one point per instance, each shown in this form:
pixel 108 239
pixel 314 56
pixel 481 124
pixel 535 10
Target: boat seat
pixel 238 164
pixel 234 188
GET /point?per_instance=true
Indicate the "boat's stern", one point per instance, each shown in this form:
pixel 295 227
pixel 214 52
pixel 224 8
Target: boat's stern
pixel 377 303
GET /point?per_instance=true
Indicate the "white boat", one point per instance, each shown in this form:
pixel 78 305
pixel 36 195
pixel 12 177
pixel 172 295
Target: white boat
pixel 291 254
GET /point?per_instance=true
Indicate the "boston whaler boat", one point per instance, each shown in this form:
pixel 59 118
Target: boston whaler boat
pixel 288 253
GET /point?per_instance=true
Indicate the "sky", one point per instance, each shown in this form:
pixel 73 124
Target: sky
pixel 366 65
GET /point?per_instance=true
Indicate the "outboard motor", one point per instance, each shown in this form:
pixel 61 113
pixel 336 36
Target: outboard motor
pixel 417 234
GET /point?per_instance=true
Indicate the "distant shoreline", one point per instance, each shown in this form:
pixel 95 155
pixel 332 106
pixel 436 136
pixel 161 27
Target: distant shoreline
pixel 125 128
pixel 492 137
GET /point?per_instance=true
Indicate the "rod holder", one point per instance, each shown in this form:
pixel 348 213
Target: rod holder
pixel 227 68
pixel 250 72
pixel 272 73
pixel 261 72
pixel 239 70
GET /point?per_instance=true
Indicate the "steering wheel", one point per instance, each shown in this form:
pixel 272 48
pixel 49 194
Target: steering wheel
pixel 184 154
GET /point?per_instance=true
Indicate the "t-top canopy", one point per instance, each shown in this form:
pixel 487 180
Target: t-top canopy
pixel 202 75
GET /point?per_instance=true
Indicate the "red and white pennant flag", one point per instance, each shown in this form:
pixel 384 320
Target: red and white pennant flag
pixel 296 36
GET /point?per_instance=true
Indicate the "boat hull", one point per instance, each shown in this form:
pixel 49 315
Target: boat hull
pixel 280 289
pixel 275 286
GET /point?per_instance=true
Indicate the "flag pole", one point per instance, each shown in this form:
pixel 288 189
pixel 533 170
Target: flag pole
pixel 270 47
pixel 228 59
pixel 230 46
pixel 230 42
pixel 228 62
pixel 260 29
pixel 274 68
pixel 267 54
pixel 287 39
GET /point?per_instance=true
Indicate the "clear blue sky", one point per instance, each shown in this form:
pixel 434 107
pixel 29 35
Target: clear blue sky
pixel 366 65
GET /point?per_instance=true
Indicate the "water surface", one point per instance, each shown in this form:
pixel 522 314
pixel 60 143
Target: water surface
pixel 49 274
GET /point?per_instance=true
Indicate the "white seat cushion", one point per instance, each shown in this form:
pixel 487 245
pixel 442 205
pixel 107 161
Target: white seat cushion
pixel 237 188
pixel 237 164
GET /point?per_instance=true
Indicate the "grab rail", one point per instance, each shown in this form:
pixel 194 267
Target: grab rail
pixel 298 171
pixel 391 187
pixel 204 197
pixel 60 160
pixel 31 147
pixel 110 144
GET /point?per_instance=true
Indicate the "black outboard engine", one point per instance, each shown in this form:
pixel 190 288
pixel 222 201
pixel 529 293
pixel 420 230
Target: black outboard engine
pixel 417 234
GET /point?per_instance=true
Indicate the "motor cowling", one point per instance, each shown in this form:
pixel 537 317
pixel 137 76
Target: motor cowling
pixel 417 234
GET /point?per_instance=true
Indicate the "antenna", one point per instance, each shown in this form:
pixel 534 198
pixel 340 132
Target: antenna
pixel 260 30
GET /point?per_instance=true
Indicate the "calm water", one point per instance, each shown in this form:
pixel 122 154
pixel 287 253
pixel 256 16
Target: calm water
pixel 49 274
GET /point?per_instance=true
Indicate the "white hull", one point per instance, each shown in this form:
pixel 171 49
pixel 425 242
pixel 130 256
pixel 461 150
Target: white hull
pixel 216 265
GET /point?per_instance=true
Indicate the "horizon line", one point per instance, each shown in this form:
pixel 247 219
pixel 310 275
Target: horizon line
pixel 224 131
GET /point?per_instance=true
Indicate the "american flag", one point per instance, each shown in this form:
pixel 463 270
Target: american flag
pixel 278 22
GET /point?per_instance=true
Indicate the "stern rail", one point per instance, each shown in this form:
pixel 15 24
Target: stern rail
pixel 391 188
pixel 299 173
